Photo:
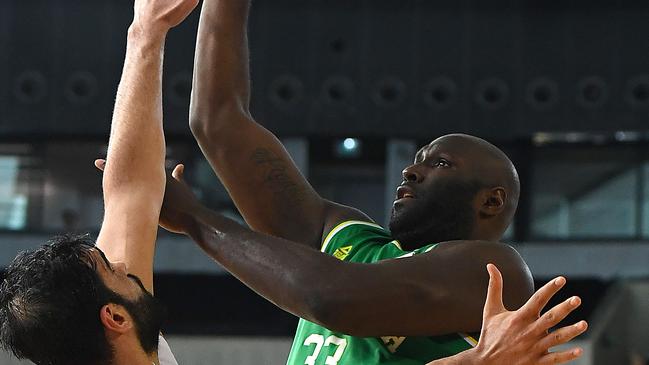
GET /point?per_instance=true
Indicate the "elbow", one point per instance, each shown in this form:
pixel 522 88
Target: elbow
pixel 333 312
pixel 213 121
pixel 517 275
pixel 205 127
pixel 201 129
pixel 142 179
pixel 321 309
pixel 318 308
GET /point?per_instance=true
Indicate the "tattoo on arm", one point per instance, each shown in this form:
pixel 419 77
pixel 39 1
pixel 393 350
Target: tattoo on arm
pixel 273 171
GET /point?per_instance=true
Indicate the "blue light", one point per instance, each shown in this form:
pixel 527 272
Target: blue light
pixel 350 144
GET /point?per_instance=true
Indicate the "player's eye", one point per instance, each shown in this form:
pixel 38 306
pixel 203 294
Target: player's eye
pixel 442 163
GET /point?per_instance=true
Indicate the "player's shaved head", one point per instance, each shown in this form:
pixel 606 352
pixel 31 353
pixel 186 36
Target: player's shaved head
pixel 488 164
pixel 459 187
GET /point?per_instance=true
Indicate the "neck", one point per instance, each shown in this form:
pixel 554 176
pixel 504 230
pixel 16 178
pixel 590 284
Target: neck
pixel 127 351
pixel 481 233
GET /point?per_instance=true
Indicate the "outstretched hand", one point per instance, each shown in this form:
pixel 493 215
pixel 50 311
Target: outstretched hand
pixel 521 337
pixel 180 203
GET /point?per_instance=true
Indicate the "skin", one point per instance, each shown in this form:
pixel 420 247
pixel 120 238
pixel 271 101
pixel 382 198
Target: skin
pixel 269 191
pixel 507 337
pixel 521 337
pixel 278 179
pixel 116 276
pixel 286 276
pixel 457 159
pixel 134 181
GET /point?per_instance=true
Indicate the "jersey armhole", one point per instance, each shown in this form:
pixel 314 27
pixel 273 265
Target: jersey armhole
pixel 165 355
pixel 340 227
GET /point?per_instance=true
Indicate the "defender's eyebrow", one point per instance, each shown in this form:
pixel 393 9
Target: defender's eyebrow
pixel 105 259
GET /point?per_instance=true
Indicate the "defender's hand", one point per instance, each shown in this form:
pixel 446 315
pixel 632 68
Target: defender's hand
pixel 179 204
pixel 521 337
pixel 161 15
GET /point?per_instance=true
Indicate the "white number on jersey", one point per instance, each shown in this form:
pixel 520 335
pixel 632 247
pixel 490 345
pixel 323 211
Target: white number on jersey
pixel 319 342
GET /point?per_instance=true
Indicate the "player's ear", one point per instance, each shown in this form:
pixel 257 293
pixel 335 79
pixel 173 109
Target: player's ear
pixel 115 318
pixel 493 201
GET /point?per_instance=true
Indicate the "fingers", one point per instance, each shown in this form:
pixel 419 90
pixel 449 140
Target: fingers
pixel 178 172
pixel 557 313
pixel 542 296
pixel 494 302
pixel 100 164
pixel 562 335
pixel 561 357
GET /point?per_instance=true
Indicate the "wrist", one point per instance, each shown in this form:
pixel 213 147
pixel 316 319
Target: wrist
pixel 146 34
pixel 470 357
pixel 195 223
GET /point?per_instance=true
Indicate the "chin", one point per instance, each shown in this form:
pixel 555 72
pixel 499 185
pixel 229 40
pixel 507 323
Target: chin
pixel 414 230
pixel 403 230
pixel 406 217
pixel 395 219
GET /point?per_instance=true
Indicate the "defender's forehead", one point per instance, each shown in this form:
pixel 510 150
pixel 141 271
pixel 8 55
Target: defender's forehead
pixel 99 258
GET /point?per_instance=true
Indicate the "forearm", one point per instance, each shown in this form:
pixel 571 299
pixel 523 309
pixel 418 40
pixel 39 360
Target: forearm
pixel 314 286
pixel 283 272
pixel 136 148
pixel 221 83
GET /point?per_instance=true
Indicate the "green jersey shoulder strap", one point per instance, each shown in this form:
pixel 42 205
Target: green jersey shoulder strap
pixel 365 242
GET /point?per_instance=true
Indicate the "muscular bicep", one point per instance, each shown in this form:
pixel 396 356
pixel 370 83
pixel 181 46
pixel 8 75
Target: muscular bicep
pixel 128 232
pixel 436 293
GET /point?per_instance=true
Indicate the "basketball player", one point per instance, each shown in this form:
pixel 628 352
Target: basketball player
pixel 66 303
pixel 459 188
pixel 519 337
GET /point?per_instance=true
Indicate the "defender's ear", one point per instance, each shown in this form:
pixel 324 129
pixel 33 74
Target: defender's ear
pixel 115 318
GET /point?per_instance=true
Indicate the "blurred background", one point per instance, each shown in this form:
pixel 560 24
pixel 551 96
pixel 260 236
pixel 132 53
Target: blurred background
pixel 354 88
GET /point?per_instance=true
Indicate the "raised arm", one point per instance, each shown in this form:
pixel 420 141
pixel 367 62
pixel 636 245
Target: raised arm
pixel 260 176
pixel 134 178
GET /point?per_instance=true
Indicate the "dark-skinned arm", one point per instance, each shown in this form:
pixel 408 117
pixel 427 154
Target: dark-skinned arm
pixel 447 284
pixel 260 176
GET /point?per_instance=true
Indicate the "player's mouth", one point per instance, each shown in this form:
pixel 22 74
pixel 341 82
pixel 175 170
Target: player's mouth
pixel 404 193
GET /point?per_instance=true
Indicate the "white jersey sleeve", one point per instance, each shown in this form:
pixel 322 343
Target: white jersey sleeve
pixel 165 356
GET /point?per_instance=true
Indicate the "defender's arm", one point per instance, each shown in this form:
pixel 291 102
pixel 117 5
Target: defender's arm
pixel 134 179
pixel 260 176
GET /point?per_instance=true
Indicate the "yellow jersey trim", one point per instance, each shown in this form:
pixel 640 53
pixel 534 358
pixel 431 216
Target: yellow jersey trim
pixel 430 248
pixel 397 243
pixel 341 226
pixel 472 341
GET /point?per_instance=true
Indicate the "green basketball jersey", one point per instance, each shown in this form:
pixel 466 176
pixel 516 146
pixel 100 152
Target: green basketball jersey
pixel 365 242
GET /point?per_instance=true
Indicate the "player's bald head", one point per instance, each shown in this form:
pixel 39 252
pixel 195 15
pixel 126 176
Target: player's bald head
pixel 459 187
pixel 486 164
